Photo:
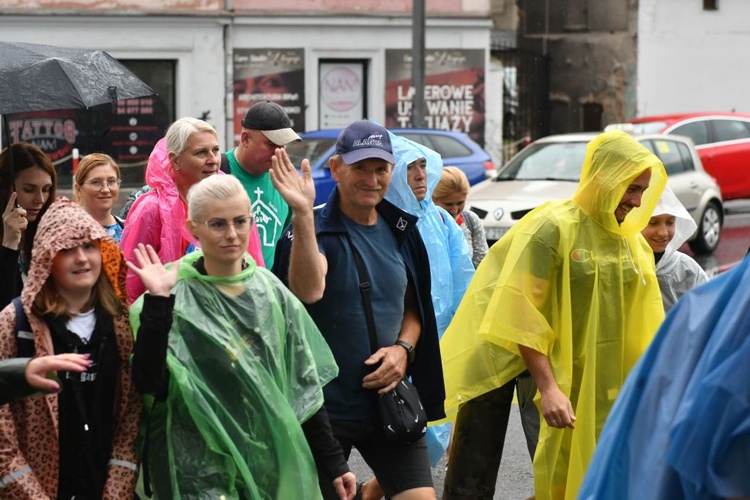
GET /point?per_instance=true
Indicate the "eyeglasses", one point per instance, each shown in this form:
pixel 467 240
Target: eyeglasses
pixel 219 227
pixel 98 184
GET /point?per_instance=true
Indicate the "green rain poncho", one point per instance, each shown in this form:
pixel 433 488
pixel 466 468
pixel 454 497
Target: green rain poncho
pixel 247 365
pixel 571 283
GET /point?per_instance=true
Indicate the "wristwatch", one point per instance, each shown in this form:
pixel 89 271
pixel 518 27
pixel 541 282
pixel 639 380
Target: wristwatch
pixel 409 349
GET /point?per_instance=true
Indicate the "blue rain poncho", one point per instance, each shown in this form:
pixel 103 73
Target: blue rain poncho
pixel 451 269
pixel 569 282
pixel 246 366
pixel 677 272
pixel 681 426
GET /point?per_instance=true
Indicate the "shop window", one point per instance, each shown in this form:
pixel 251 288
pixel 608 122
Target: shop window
pixel 592 116
pixel 128 134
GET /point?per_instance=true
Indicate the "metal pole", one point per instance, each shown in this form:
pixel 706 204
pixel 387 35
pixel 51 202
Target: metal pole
pixel 417 67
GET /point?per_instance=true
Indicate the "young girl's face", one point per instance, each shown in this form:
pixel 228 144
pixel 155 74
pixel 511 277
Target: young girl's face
pixel 659 232
pixel 76 270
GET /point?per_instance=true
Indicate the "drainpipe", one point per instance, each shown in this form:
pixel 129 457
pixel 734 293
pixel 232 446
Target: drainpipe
pixel 417 63
pixel 546 27
pixel 229 77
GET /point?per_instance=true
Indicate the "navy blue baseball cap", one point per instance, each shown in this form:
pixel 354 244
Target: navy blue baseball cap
pixel 362 140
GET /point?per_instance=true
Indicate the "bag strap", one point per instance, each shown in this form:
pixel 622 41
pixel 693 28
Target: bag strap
pixel 24 342
pixel 224 165
pixel 364 290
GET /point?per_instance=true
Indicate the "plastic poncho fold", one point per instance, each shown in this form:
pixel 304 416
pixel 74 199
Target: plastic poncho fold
pixel 677 272
pixel 451 269
pixel 681 426
pixel 569 282
pixel 247 365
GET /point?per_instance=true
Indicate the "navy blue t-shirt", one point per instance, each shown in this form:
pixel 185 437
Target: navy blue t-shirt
pixel 341 318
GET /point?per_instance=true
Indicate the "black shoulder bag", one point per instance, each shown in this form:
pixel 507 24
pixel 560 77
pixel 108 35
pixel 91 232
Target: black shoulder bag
pixel 401 411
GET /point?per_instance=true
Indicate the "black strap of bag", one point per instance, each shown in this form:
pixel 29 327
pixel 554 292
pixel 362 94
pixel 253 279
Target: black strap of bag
pixel 364 290
pixel 403 416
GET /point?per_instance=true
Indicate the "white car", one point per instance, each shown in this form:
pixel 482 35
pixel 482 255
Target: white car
pixel 550 168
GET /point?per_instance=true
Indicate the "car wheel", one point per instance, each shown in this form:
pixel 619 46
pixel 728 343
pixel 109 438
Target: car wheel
pixel 709 230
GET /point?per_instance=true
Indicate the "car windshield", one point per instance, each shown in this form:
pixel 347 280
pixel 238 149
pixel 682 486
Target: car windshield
pixel 648 127
pixel 547 161
pixel 312 149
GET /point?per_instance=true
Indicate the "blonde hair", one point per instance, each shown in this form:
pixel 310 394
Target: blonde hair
pixel 179 133
pixel 215 187
pixel 87 164
pixel 452 180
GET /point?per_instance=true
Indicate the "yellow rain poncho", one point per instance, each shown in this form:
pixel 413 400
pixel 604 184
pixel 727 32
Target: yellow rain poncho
pixel 571 283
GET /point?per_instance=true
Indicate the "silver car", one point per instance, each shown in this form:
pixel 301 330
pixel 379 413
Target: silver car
pixel 549 169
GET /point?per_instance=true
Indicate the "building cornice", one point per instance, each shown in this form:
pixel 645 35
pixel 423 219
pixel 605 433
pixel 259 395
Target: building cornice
pixel 249 18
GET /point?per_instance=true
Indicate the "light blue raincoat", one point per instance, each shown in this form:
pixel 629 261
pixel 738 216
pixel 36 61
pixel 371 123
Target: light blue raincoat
pixel 451 268
pixel 450 260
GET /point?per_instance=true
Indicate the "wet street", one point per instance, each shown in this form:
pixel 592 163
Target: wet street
pixel 515 480
pixel 735 239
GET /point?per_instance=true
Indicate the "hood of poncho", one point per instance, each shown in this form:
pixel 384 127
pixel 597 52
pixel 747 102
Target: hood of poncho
pixel 399 193
pixel 67 225
pixel 684 225
pixel 159 168
pixel 613 160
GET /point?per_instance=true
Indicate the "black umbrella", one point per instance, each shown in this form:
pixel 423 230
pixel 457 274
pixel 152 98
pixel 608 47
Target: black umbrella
pixel 42 77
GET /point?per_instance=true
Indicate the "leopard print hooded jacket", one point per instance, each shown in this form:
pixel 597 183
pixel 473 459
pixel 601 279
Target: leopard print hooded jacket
pixel 29 445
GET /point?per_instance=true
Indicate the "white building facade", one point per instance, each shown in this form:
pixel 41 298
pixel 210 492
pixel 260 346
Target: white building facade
pixel 692 56
pixel 200 58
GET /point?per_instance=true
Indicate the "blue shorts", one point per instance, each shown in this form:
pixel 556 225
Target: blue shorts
pixel 397 467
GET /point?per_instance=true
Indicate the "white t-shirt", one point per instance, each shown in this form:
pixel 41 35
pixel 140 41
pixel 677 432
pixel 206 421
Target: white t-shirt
pixel 83 325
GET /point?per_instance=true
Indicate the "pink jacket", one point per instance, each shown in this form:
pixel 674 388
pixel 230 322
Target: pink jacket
pixel 157 218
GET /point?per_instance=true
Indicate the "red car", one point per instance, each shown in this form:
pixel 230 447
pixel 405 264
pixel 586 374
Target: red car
pixel 722 140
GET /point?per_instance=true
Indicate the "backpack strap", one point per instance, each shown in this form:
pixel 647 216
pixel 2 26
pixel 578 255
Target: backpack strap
pixel 224 167
pixel 22 332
